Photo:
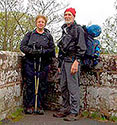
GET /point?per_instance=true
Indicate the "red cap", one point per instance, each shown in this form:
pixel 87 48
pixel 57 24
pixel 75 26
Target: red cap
pixel 72 10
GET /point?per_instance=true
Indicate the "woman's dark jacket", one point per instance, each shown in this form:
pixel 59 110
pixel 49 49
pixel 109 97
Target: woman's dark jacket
pixel 44 40
pixel 72 43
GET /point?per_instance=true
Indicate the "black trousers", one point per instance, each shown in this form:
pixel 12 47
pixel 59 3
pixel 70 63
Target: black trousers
pixel 29 73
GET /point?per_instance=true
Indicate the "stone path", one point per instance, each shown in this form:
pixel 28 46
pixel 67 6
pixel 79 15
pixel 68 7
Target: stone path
pixel 48 119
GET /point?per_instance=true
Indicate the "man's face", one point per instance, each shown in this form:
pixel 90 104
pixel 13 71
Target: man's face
pixel 69 18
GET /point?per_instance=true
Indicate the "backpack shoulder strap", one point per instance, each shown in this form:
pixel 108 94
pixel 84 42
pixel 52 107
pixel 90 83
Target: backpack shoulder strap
pixel 47 32
pixel 29 34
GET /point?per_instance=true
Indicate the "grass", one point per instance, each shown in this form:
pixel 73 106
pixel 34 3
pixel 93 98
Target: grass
pixel 17 115
pixel 113 118
pixel 98 116
pixel 95 115
pixel 103 118
pixel 85 114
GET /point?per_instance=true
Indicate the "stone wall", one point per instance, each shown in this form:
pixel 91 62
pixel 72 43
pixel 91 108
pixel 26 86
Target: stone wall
pixel 10 82
pixel 98 88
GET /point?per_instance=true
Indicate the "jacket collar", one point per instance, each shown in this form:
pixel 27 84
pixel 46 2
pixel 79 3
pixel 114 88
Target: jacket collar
pixel 45 30
pixel 65 25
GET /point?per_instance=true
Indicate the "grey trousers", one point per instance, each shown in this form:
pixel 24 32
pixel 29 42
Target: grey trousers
pixel 70 88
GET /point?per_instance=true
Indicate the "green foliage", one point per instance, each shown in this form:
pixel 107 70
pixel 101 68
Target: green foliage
pixel 17 115
pixel 113 118
pixel 16 21
pixel 85 114
pixel 98 116
pixel 95 115
pixel 12 32
pixel 103 118
pixel 108 37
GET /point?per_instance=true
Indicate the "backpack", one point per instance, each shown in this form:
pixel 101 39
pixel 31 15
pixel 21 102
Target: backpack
pixel 92 54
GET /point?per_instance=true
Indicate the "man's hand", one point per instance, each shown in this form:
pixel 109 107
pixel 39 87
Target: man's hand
pixel 74 67
pixel 59 70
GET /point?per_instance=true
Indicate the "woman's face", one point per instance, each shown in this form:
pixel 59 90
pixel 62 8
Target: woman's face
pixel 40 23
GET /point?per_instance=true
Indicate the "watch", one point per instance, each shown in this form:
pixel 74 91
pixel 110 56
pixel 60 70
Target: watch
pixel 78 60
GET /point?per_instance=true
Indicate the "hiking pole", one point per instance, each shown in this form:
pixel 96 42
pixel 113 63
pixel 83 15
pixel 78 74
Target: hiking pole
pixel 37 85
pixel 37 82
pixel 35 77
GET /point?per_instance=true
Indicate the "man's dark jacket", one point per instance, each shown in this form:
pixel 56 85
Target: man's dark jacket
pixel 72 43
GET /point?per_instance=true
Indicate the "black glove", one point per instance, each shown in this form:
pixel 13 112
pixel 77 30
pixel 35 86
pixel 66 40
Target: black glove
pixel 36 52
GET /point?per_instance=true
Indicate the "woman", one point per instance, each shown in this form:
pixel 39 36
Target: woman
pixel 39 48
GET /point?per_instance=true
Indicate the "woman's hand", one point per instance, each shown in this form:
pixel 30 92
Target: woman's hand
pixel 74 67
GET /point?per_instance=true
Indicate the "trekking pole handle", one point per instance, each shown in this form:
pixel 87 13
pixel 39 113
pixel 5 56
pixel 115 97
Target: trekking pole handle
pixel 41 47
pixel 34 46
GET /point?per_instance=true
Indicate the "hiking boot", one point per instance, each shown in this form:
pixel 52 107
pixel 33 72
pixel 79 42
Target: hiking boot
pixel 71 117
pixel 29 110
pixel 60 114
pixel 39 112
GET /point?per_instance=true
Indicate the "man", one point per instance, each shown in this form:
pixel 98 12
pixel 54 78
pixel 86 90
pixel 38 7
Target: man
pixel 71 48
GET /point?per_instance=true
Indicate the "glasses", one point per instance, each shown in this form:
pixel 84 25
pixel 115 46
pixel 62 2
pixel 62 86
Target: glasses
pixel 67 14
